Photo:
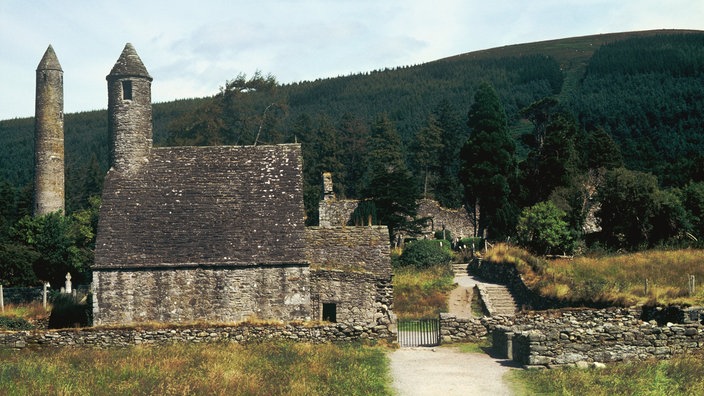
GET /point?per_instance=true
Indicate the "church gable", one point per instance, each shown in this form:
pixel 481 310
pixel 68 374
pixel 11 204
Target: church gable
pixel 193 206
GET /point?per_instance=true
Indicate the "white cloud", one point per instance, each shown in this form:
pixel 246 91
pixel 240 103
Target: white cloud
pixel 192 48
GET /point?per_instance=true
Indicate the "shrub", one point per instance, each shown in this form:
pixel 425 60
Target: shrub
pixel 447 235
pixel 477 242
pixel 67 312
pixel 425 253
pixel 543 230
pixel 13 323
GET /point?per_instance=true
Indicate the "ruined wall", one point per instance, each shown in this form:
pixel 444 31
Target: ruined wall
pixel 336 212
pixel 457 221
pixel 214 294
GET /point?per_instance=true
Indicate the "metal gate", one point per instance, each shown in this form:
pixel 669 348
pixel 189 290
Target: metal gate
pixel 420 332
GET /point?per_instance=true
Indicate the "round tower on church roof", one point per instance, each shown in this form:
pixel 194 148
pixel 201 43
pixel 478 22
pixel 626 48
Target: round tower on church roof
pixel 129 112
pixel 49 136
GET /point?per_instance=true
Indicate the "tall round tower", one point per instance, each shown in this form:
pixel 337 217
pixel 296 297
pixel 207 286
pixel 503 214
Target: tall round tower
pixel 129 112
pixel 49 136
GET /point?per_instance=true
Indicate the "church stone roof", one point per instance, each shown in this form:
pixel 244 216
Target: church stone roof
pixel 49 60
pixel 129 65
pixel 212 206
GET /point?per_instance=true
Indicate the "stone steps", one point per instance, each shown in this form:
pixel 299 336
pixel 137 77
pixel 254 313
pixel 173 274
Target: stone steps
pixel 460 269
pixel 498 299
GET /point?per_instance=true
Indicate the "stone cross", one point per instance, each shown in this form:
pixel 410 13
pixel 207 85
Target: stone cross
pixel 68 283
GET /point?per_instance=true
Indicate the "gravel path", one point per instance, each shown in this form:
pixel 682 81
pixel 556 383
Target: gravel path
pixel 446 371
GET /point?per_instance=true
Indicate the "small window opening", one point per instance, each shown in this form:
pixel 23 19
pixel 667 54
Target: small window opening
pixel 127 90
pixel 330 312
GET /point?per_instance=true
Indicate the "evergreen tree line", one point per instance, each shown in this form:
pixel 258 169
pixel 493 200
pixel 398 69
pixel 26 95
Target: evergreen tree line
pixel 485 133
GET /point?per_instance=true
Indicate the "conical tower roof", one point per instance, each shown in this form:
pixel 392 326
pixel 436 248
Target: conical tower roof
pixel 49 60
pixel 129 65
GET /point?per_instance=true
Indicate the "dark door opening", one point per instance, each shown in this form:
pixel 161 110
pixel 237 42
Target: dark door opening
pixel 330 312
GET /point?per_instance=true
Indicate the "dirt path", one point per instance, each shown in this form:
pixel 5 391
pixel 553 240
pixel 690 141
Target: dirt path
pixel 460 302
pixel 446 371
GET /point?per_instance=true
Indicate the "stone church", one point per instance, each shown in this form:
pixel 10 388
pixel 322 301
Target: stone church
pixel 217 233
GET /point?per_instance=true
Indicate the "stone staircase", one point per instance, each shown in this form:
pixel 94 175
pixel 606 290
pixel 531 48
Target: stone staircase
pixel 497 299
pixel 460 269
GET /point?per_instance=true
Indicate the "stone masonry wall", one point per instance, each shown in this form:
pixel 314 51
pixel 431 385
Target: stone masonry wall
pixel 361 249
pixel 214 294
pixel 240 333
pixel 356 296
pixel 595 335
pixel 457 221
pixel 351 267
pixel 454 329
pixel 336 212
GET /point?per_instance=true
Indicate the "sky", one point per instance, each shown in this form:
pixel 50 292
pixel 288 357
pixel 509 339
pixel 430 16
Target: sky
pixel 192 47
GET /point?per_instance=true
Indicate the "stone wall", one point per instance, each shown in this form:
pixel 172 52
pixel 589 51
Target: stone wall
pixel 351 268
pixel 356 296
pixel 454 329
pixel 594 335
pixel 241 333
pixel 361 249
pixel 336 212
pixel 225 294
pixel 457 221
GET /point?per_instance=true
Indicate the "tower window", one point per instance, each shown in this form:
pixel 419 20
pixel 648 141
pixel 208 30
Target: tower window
pixel 330 312
pixel 127 90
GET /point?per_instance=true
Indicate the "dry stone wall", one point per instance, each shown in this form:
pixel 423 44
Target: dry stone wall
pixel 552 338
pixel 240 333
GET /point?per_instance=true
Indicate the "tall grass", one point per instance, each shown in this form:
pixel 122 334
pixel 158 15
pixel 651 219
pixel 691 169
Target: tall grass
pixel 422 293
pixel 617 279
pixel 682 375
pixel 30 311
pixel 271 368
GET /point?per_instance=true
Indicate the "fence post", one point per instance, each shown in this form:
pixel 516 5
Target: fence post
pixel 691 285
pixel 2 300
pixel 46 284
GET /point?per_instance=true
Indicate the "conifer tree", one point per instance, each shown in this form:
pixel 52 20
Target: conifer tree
pixel 449 191
pixel 389 184
pixel 489 165
pixel 427 149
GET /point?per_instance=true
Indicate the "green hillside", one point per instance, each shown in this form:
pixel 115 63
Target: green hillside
pixel 653 113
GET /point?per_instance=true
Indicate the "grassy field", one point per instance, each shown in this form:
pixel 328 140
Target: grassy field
pixel 679 376
pixel 272 368
pixel 617 279
pixel 422 293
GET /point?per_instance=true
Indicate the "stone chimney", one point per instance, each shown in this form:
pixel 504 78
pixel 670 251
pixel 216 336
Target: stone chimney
pixel 49 136
pixel 328 193
pixel 129 112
